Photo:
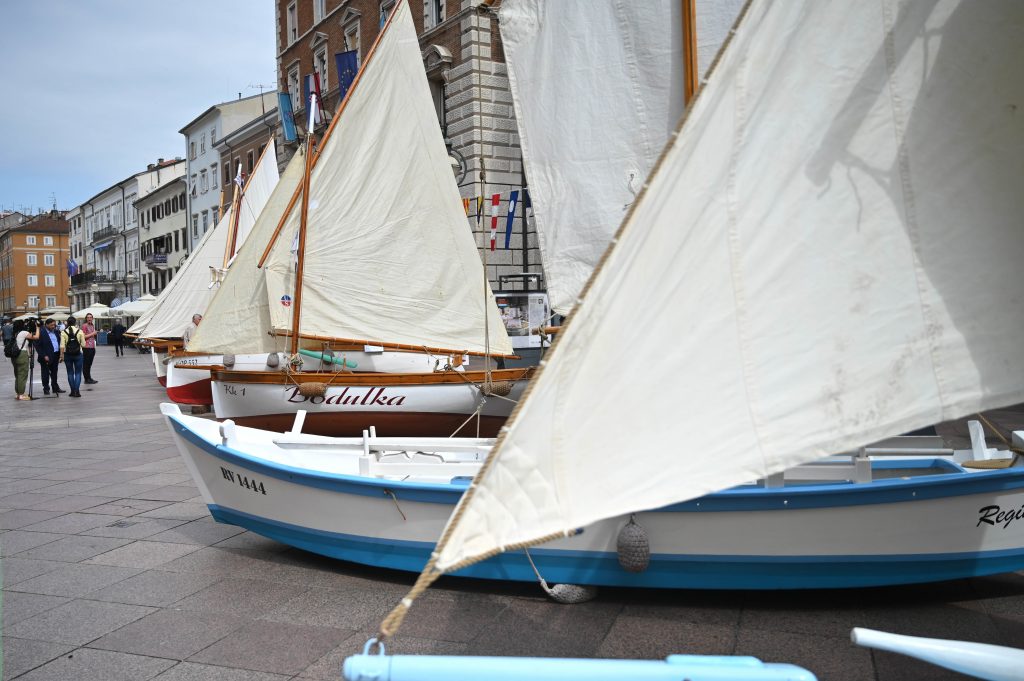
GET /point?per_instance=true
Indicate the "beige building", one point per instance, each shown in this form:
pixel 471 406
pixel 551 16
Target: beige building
pixel 33 264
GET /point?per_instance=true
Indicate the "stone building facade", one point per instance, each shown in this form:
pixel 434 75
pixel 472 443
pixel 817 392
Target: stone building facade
pixel 163 234
pixel 33 264
pixel 465 67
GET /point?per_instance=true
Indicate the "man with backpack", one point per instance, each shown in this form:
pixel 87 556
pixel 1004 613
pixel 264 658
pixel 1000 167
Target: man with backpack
pixel 8 335
pixel 72 342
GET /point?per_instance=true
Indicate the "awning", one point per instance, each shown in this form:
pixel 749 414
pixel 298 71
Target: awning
pixel 100 247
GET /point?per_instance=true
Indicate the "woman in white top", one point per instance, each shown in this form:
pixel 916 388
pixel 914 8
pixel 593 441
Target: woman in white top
pixel 24 334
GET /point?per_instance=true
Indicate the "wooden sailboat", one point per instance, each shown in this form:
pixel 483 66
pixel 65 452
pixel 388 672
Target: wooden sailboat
pixel 193 286
pixel 375 254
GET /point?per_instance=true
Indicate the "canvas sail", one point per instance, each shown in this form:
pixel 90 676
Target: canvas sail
pixel 238 317
pixel 828 254
pixel 190 291
pixel 389 257
pixel 597 89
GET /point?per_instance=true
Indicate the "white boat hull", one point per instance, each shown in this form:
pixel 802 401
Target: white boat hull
pixel 892 531
pixel 396 404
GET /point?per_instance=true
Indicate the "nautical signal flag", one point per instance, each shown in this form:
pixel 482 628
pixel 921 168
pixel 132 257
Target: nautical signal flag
pixel 495 202
pixel 513 200
pixel 286 300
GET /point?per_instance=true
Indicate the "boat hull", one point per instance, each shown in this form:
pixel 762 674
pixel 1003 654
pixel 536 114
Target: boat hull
pixel 813 536
pixel 415 404
pixel 160 365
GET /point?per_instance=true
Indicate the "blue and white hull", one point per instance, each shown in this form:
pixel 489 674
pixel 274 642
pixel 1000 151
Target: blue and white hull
pixel 322 495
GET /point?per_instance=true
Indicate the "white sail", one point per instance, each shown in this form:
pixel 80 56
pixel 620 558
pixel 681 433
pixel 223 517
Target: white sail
pixel 597 89
pixel 190 290
pixel 829 253
pixel 389 257
pixel 238 317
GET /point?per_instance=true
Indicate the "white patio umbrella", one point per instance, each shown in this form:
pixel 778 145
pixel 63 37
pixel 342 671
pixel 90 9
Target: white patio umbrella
pixel 98 310
pixel 134 308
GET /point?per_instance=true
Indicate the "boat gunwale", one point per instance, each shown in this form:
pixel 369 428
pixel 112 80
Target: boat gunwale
pixel 222 374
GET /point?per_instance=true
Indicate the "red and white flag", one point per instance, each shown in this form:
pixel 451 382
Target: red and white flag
pixel 495 202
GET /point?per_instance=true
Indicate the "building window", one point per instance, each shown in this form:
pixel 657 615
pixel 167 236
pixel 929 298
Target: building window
pixel 33 302
pixel 213 176
pixel 195 224
pixel 48 259
pixel 352 36
pixel 30 240
pixel 50 281
pixel 293 87
pixel 206 220
pixel 216 213
pixel 202 143
pixel 31 259
pixel 435 12
pixel 181 200
pixel 250 161
pixel 47 240
pixel 293 23
pixel 213 136
pixel 204 182
pixel 385 10
pixel 437 94
pixel 319 9
pixel 174 204
pixel 227 174
pixel 192 151
pixel 51 301
pixel 167 207
pixel 192 185
pixel 175 240
pixel 320 66
pixel 33 280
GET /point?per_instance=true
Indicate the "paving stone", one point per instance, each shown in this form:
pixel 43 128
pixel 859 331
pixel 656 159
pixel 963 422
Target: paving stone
pixel 27 499
pixel 126 489
pixel 14 486
pixel 175 634
pixel 72 502
pixel 77 622
pixel 328 667
pixel 824 656
pixel 14 570
pixel 21 655
pixel 85 664
pixel 203 531
pixel 115 476
pixel 250 541
pixel 271 647
pixel 75 580
pixel 75 487
pixel 168 493
pixel 125 507
pixel 73 523
pixel 532 627
pixel 190 671
pixel 155 588
pixel 75 548
pixel 165 479
pixel 16 541
pixel 67 474
pixel 134 527
pixel 144 554
pixel 21 517
pixel 649 638
pixel 181 511
pixel 244 597
pixel 18 606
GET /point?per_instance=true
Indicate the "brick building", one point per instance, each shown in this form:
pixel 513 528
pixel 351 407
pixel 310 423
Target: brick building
pixel 33 257
pixel 464 63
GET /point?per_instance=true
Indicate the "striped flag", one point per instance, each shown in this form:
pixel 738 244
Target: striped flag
pixel 513 200
pixel 495 202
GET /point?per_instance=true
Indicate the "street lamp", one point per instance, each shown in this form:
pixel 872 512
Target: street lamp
pixel 129 279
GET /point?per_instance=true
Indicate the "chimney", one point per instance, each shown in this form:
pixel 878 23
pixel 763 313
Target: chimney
pixel 160 161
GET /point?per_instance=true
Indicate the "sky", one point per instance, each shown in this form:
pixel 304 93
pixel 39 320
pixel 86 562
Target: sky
pixel 94 90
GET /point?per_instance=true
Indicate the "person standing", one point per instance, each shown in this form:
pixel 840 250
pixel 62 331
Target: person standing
pixel 117 335
pixel 190 331
pixel 8 334
pixel 89 348
pixel 48 356
pixel 24 334
pixel 72 343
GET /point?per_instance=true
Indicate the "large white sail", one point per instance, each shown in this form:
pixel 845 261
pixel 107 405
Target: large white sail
pixel 389 257
pixel 190 290
pixel 597 89
pixel 829 254
pixel 238 317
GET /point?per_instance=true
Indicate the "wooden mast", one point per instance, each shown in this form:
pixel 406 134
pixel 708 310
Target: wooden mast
pixel 236 204
pixel 297 301
pixel 690 78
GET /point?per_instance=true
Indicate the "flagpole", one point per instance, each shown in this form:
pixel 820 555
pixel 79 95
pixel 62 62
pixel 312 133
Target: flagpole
pixel 297 301
pixel 236 206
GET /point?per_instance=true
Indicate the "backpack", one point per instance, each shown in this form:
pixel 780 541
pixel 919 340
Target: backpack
pixel 11 348
pixel 72 348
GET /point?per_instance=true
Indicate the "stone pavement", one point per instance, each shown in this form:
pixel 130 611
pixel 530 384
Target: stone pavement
pixel 112 569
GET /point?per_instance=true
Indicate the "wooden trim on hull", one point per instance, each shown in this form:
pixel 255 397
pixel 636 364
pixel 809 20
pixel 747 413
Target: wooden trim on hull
pixel 392 346
pixel 352 424
pixel 197 392
pixel 337 379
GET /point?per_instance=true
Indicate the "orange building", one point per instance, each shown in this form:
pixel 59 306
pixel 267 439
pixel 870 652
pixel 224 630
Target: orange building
pixel 33 264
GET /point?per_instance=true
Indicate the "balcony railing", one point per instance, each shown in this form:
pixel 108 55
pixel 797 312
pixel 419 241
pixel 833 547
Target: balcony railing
pixel 105 233
pixel 92 276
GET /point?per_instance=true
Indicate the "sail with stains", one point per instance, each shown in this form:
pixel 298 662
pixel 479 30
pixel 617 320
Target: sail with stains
pixel 389 257
pixel 827 254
